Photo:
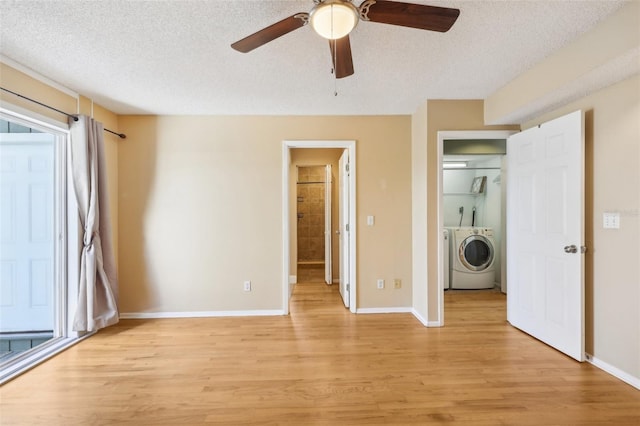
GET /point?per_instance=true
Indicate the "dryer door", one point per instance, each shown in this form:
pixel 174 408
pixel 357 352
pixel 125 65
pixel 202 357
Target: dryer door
pixel 476 253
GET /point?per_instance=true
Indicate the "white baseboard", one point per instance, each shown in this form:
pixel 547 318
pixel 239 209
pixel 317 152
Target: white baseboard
pixel 200 314
pixel 420 318
pixel 293 279
pixel 614 371
pixel 424 321
pixel 384 310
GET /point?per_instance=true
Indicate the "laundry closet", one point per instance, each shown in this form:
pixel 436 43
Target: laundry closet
pixel 473 214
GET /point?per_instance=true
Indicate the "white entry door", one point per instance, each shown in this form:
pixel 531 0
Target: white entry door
pixel 345 286
pixel 328 267
pixel 545 233
pixel 26 232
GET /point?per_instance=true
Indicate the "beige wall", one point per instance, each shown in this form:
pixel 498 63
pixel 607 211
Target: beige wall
pixel 612 272
pixel 443 115
pixel 201 209
pixel 19 82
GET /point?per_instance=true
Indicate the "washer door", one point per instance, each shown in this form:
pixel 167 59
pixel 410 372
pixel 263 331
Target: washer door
pixel 476 253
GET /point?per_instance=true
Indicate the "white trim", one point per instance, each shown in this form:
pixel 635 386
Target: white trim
pixel 29 118
pixel 614 371
pixel 400 310
pixel 287 289
pixel 420 318
pixel 200 314
pixel 424 321
pixel 454 134
pixel 44 352
pixel 287 145
pixel 37 76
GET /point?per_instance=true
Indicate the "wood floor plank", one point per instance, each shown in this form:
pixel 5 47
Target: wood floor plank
pixel 321 365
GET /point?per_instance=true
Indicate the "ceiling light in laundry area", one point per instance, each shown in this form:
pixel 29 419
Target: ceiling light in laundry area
pixel 454 165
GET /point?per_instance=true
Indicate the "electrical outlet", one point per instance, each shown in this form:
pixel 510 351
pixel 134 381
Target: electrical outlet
pixel 397 283
pixel 380 284
pixel 247 286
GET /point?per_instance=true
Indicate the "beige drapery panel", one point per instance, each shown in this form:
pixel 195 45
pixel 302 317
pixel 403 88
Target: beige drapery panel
pixel 98 287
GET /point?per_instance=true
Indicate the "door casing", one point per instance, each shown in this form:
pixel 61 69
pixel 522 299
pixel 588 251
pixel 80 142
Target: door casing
pixel 287 145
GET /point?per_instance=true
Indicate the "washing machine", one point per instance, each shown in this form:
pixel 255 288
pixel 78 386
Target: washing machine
pixel 446 269
pixel 472 258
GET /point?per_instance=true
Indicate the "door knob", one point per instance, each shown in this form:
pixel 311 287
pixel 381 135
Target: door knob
pixel 571 249
pixel 338 232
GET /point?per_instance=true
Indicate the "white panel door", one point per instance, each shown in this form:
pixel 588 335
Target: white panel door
pixel 328 267
pixel 344 227
pixel 545 233
pixel 26 232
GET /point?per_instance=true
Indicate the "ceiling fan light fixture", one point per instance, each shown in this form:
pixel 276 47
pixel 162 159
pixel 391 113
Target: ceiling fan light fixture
pixel 334 19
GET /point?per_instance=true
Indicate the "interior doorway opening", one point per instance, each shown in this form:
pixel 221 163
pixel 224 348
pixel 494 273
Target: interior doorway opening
pixel 319 217
pixel 471 212
pixel 314 218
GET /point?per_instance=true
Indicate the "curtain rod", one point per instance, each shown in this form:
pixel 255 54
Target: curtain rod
pixel 75 118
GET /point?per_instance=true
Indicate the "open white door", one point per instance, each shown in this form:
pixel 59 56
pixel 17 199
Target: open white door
pixel 328 271
pixel 545 233
pixel 344 227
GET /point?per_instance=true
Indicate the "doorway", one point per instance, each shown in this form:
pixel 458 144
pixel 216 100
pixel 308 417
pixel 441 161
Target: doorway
pixel 341 249
pixel 471 201
pixel 39 241
pixel 314 216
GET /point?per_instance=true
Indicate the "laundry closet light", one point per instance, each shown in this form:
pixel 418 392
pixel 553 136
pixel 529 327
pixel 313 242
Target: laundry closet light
pixel 334 19
pixel 454 165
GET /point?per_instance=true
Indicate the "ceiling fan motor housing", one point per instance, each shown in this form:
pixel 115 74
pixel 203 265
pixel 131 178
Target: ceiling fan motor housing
pixel 334 19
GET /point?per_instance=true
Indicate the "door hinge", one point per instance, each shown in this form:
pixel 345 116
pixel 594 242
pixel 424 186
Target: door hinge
pixel 348 287
pixel 346 227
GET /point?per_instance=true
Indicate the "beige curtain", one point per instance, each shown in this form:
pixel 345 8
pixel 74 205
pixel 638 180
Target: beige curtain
pixel 97 290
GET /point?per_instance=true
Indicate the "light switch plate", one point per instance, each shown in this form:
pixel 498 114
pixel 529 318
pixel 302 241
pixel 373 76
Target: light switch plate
pixel 370 220
pixel 611 220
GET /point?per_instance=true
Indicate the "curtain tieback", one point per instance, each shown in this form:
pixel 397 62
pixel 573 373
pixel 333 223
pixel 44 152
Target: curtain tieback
pixel 90 238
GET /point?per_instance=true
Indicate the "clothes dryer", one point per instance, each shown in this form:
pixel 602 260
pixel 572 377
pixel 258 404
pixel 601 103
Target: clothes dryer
pixel 472 258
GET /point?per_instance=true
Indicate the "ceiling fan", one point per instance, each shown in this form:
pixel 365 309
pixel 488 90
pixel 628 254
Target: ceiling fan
pixel 335 19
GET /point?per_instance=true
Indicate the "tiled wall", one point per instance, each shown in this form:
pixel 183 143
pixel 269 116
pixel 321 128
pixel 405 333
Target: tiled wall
pixel 311 213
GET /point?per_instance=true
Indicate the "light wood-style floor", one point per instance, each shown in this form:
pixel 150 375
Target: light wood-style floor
pixel 320 366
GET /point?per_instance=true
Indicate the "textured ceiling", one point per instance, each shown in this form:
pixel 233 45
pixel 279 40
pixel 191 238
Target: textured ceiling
pixel 173 57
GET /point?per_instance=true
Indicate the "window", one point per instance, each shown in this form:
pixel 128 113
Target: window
pixel 38 241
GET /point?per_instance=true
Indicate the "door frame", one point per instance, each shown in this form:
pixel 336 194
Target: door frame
pixel 67 251
pixel 287 145
pixel 454 134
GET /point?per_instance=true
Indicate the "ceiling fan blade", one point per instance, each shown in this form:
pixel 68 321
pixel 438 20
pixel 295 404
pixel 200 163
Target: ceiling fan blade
pixel 271 32
pixel 341 57
pixel 419 16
